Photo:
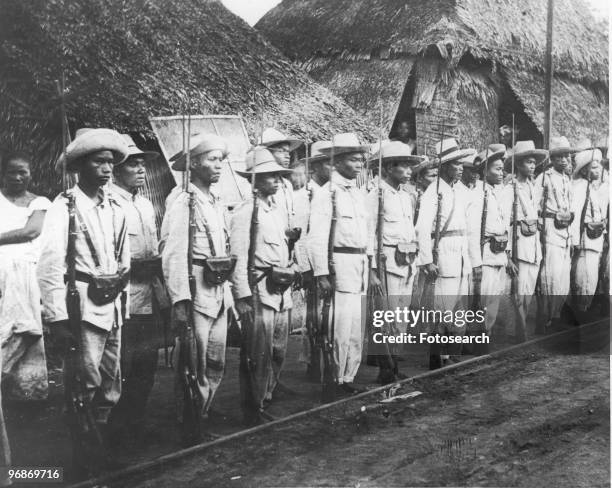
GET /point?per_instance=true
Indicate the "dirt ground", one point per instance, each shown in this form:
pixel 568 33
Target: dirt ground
pixel 539 418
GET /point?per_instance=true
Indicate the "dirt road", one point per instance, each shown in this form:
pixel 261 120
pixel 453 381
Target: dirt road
pixel 539 418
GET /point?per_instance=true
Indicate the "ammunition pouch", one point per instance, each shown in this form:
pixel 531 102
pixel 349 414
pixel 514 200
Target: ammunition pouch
pixel 498 243
pixel 528 227
pixel 105 288
pixel 217 270
pixel 405 255
pixel 279 279
pixel 145 269
pixel 293 235
pixel 562 220
pixel 594 230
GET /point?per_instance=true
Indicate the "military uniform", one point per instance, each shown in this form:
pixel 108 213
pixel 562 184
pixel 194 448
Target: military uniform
pixel 352 245
pixel 209 302
pixel 555 270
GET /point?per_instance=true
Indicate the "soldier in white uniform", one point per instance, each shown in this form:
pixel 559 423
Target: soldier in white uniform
pixel 399 245
pixel 458 252
pixel 587 229
pixel 351 254
pixel 528 245
pixel 210 241
pixel 554 192
pixel 101 248
pixel 262 304
pixel 494 239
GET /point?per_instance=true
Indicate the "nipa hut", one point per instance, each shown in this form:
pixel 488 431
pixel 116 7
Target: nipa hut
pixel 126 61
pixel 459 67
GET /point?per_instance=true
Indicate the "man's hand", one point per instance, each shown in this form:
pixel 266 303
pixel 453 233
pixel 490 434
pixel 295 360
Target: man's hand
pixel 324 285
pixel 375 283
pixel 477 273
pixel 180 312
pixel 511 269
pixel 244 307
pixel 431 271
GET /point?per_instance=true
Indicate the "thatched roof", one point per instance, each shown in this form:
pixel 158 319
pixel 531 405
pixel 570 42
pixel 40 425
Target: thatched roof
pixel 498 30
pixel 475 47
pixel 125 61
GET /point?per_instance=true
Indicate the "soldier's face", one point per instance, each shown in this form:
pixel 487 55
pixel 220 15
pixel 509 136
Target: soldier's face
pixel 560 162
pixel 131 174
pixel 350 165
pixel 267 183
pixel 526 167
pixel 595 169
pixel 281 154
pixel 495 172
pixel 398 173
pixel 429 176
pixel 17 177
pixel 322 170
pixel 96 168
pixel 207 167
pixel 470 176
pixel 454 171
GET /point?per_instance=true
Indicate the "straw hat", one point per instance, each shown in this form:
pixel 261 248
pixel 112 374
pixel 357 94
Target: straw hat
pixel 272 137
pixel 316 156
pixel 468 159
pixel 492 153
pixel 560 145
pixel 199 144
pixel 345 143
pixel 133 150
pixel 87 141
pixel 425 165
pixel 585 157
pixel 260 160
pixel 396 151
pixel 448 150
pixel 523 150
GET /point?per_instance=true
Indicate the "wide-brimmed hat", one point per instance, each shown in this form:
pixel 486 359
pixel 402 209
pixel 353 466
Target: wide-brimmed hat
pixel 87 141
pixel 133 150
pixel 560 145
pixel 585 157
pixel 425 165
pixel 260 160
pixel 272 137
pixel 345 143
pixel 199 144
pixel 468 159
pixel 448 150
pixel 523 150
pixel 492 153
pixel 395 151
pixel 316 156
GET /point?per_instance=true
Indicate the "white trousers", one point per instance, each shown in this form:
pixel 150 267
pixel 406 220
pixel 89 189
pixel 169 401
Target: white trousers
pixel 348 335
pixel 555 280
pixel 491 289
pixel 585 275
pixel 527 279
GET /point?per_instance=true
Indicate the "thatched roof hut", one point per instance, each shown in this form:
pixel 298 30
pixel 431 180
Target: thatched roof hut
pixel 467 65
pixel 126 61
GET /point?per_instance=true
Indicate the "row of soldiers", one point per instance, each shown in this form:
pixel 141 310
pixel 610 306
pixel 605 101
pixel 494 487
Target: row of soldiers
pixel 426 234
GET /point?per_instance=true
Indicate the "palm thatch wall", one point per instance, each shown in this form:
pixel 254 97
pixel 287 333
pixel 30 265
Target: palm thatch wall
pixel 485 57
pixel 127 60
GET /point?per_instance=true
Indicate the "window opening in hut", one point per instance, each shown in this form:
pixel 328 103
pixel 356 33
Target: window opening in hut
pixel 404 124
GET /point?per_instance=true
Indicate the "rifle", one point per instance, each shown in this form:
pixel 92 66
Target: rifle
pixel 428 287
pixel 483 224
pixel 83 425
pixel 381 259
pixel 584 209
pixel 312 318
pixel 514 280
pixel 188 358
pixel 327 330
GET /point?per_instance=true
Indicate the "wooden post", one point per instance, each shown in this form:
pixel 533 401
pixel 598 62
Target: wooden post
pixel 548 66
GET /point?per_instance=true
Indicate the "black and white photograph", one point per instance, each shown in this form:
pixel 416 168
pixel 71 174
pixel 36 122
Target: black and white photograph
pixel 305 243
